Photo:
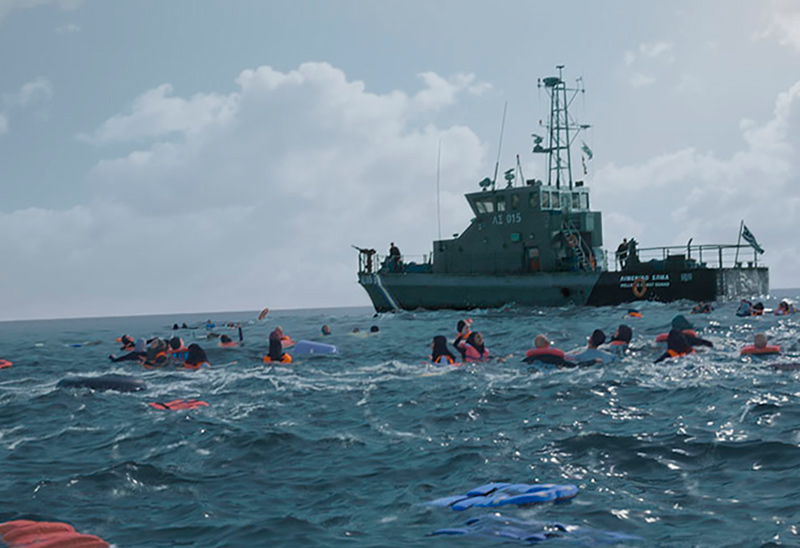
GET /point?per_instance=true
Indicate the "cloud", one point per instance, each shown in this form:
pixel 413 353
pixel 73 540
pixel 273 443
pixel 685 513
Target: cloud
pixel 31 94
pixel 652 50
pixel 155 114
pixel 9 6
pixel 247 199
pixel 692 194
pixel 785 22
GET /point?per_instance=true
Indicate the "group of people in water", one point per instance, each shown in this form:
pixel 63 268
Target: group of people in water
pixel 680 340
pixel 747 308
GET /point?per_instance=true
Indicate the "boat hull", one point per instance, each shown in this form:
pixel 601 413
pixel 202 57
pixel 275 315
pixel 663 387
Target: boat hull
pixel 412 290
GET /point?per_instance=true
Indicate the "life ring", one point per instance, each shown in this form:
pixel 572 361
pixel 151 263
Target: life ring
pixel 639 287
pixel 572 240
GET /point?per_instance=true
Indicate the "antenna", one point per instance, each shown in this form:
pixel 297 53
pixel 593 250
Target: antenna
pixel 500 146
pixel 438 210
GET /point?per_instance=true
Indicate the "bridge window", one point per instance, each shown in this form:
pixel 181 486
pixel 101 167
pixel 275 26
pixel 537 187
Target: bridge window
pixel 545 200
pixel 585 200
pixel 515 201
pixel 484 205
pixel 501 204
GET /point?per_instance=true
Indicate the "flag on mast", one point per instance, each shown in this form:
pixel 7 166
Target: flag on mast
pixel 586 150
pixel 750 239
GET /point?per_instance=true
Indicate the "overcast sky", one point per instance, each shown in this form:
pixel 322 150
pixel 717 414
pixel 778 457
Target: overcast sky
pixel 192 156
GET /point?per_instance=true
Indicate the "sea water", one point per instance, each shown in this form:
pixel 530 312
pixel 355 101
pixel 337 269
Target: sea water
pixel 347 450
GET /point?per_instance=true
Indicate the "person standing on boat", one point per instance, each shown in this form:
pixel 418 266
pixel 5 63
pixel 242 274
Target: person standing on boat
pixel 395 259
pixel 622 253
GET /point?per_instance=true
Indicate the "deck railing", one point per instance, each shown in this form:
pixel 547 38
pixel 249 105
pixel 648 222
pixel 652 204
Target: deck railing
pixel 709 255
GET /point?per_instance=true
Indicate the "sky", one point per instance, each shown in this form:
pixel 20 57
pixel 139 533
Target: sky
pixel 197 156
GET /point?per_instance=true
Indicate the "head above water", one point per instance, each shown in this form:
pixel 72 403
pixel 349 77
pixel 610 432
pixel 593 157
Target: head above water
pixel 760 340
pixel 175 343
pixel 597 338
pixel 326 329
pixel 623 333
pixel 540 341
pixel 680 323
pixel 374 329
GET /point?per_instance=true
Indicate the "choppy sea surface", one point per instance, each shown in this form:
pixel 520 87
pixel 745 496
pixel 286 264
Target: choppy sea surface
pixel 347 450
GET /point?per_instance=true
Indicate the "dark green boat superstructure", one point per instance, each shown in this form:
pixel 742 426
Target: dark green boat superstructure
pixel 541 244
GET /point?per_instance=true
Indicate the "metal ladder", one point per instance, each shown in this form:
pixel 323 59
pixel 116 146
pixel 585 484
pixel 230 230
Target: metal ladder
pixel 570 231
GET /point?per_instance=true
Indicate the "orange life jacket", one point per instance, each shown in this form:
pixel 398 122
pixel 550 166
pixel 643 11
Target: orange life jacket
pixel 662 337
pixel 769 349
pixel 285 358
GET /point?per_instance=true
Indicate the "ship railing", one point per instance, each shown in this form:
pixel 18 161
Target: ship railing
pixel 702 255
pixel 386 263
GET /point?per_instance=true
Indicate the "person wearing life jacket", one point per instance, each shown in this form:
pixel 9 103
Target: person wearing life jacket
pixel 464 329
pixel 592 354
pixel 677 346
pixel 760 346
pixel 197 357
pixel 702 308
pixel 633 313
pixel 621 340
pixel 326 330
pixel 785 308
pixel 473 348
pixel 278 333
pixel 276 353
pixel 441 354
pixel 745 308
pixel 127 343
pixel 156 355
pixel 758 309
pixel 544 353
pixel 176 350
pixel 138 353
pixel 680 323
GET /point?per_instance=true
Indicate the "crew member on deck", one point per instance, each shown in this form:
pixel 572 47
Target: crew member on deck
pixel 395 259
pixel 622 253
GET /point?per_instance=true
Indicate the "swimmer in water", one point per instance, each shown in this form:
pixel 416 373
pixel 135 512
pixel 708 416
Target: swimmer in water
pixel 138 353
pixel 441 354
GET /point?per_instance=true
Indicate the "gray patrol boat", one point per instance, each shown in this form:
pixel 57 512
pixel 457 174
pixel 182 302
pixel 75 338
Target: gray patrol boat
pixel 539 243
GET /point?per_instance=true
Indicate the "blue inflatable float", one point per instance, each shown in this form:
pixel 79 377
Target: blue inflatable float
pixel 120 383
pixel 493 495
pixel 302 348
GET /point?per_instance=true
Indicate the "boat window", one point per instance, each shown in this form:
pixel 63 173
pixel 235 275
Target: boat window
pixel 533 200
pixel 565 200
pixel 585 200
pixel 545 200
pixel 576 200
pixel 501 204
pixel 515 201
pixel 484 205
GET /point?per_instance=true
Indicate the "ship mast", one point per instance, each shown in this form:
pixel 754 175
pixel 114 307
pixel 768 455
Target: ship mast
pixel 562 130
